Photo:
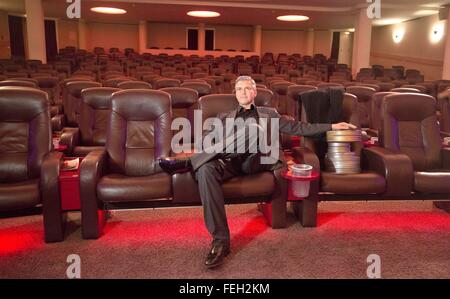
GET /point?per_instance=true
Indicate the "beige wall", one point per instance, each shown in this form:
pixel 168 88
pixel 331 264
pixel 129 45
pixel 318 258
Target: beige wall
pixel 167 35
pixel 112 36
pixel 322 42
pixel 5 50
pixel 175 35
pixel 283 41
pixel 67 33
pixel 295 41
pixel 233 37
pixel 414 51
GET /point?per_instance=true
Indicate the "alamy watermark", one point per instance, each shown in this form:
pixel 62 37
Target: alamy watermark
pixel 74 268
pixel 374 268
pixel 374 9
pixel 228 136
pixel 74 9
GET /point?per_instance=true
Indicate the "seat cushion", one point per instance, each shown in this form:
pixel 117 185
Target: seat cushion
pixel 359 183
pixel 117 187
pixel 20 195
pixel 261 184
pixel 82 151
pixel 435 181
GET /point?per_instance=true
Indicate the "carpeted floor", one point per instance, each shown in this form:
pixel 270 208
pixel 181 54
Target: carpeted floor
pixel 412 239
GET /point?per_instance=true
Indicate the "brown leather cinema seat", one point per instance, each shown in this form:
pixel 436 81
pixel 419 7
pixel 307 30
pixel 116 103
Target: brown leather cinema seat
pixel 127 170
pixel 93 120
pixel 72 100
pixel 381 175
pixel 410 128
pixel 28 169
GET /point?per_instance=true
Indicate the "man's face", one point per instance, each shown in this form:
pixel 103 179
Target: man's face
pixel 245 93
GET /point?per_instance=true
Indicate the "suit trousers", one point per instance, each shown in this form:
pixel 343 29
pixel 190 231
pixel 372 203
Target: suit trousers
pixel 211 170
pixel 210 177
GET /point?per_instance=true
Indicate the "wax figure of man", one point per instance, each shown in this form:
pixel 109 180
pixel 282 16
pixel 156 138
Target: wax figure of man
pixel 211 169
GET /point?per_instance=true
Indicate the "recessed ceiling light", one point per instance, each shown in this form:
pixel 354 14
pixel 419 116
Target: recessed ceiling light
pixel 109 10
pixel 293 18
pixel 203 14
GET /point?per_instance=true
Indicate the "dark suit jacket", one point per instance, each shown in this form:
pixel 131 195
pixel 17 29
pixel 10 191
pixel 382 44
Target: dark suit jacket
pixel 286 125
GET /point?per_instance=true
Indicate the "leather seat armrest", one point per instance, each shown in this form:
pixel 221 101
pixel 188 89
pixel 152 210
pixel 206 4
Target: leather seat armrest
pixel 396 168
pixel 93 167
pixel 51 202
pixel 58 122
pixel 70 137
pixel 445 158
pixel 306 156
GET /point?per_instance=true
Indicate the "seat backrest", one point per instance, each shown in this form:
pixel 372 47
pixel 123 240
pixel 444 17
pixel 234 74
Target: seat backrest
pixel 72 100
pixel 385 86
pixel 259 78
pixel 410 126
pixel 202 88
pixel 113 82
pixel 166 82
pixel 293 92
pixel 264 97
pixel 376 117
pixel 420 88
pixel 371 85
pixel 25 132
pixel 212 105
pixel 183 100
pixel 328 85
pixel 364 95
pixel 350 109
pixel 405 90
pixel 139 131
pixel 94 114
pixel 182 78
pixel 134 85
pixel 19 83
pixel 51 86
pixel 280 89
pixel 445 115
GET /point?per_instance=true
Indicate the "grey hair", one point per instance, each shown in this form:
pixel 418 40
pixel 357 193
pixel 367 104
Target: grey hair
pixel 246 78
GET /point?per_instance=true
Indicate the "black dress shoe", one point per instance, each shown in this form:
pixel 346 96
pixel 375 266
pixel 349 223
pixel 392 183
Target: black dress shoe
pixel 172 165
pixel 216 255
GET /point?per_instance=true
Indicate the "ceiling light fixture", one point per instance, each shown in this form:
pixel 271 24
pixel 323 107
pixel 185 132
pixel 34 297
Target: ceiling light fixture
pixel 203 14
pixel 109 10
pixel 293 18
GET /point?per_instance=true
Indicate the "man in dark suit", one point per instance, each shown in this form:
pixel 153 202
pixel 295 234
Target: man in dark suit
pixel 213 168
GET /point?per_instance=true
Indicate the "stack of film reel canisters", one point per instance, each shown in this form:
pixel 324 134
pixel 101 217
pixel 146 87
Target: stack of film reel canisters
pixel 339 158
